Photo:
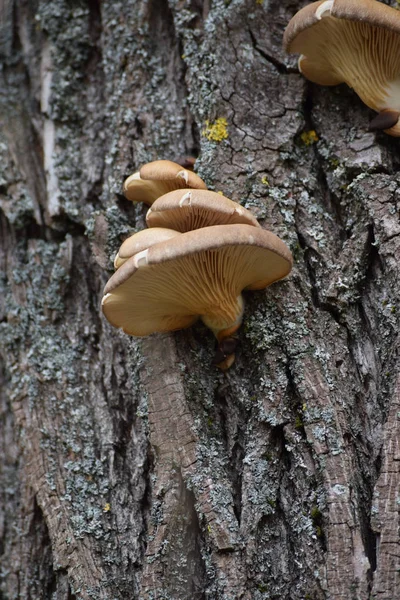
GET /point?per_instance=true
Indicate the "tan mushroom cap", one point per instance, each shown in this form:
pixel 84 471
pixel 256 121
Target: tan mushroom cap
pixel 141 241
pixel 157 178
pixel 200 273
pixel 351 41
pixel 185 210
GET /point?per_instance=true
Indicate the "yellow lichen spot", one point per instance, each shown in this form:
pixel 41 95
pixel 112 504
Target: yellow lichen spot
pixel 304 407
pixel 107 507
pixel 217 131
pixel 183 56
pixel 265 181
pixel 309 137
pixel 220 193
pixel 261 1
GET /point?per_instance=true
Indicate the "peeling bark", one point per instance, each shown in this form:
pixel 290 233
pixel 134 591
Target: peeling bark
pixel 134 468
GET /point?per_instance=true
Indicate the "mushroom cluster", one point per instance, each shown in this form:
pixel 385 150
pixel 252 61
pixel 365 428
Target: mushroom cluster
pixel 355 42
pixel 200 252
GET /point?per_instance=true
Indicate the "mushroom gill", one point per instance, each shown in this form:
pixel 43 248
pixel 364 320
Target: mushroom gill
pixel 186 210
pixel 357 43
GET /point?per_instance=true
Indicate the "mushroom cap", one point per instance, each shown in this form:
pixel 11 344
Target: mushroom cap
pixel 200 273
pixel 352 41
pixel 141 241
pixel 185 210
pixel 157 178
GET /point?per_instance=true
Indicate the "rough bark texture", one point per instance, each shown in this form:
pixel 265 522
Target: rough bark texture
pixel 134 469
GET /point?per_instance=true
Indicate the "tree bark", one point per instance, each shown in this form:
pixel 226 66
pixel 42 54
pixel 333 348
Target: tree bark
pixel 134 468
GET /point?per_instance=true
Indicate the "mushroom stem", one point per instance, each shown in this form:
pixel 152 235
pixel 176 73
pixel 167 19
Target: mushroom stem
pixel 384 120
pixel 222 321
pixel 225 354
pixel 226 363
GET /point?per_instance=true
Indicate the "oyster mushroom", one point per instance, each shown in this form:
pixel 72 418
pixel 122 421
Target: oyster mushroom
pixel 157 178
pixel 198 274
pixel 355 42
pixel 185 210
pixel 141 241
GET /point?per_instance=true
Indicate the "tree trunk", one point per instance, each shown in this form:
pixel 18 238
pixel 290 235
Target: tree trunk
pixel 134 468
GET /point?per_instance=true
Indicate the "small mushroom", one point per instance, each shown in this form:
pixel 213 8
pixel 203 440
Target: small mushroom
pixel 141 241
pixel 185 210
pixel 355 42
pixel 225 354
pixel 196 274
pixel 157 178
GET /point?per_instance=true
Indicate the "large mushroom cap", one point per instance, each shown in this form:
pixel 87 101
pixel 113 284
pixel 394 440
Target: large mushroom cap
pixel 200 273
pixel 352 41
pixel 185 210
pixel 141 241
pixel 157 178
